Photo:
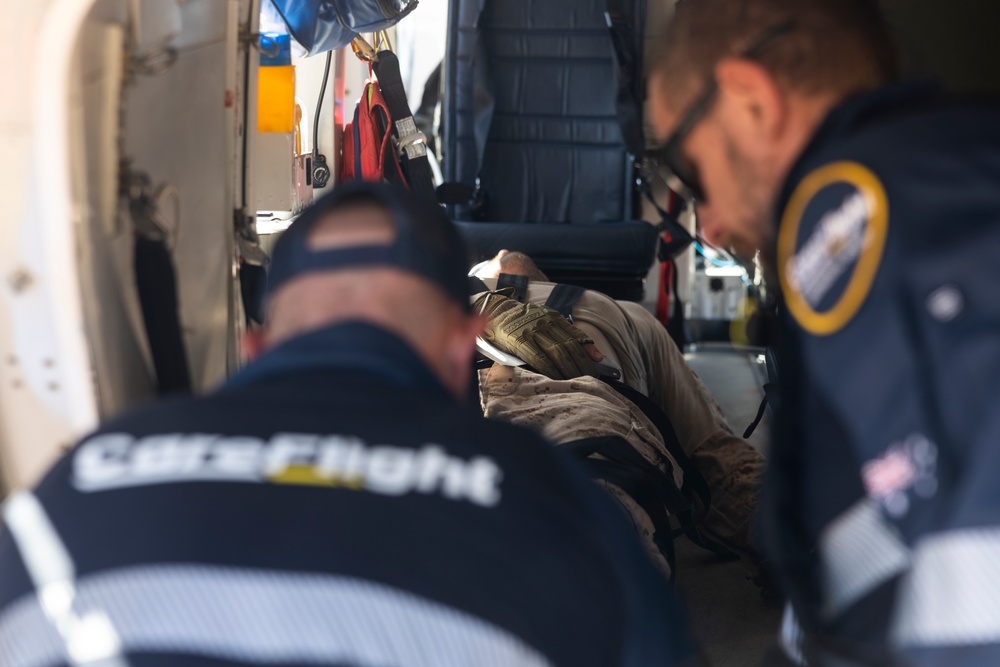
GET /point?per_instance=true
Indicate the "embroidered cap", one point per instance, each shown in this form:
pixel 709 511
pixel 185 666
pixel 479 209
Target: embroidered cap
pixel 426 242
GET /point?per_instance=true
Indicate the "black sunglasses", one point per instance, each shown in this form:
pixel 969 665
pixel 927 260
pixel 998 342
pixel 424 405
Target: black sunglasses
pixel 680 175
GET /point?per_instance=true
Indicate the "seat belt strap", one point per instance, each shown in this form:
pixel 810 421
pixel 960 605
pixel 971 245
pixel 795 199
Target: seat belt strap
pixel 628 66
pixel 624 467
pixel 680 238
pixel 564 298
pixel 483 105
pixel 694 481
pixel 411 143
pixel 628 108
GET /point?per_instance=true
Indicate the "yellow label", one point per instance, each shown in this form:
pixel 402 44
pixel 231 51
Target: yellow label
pixel 308 475
pixel 855 233
pixel 276 99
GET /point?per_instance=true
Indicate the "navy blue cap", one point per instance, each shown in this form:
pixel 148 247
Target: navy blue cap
pixel 426 242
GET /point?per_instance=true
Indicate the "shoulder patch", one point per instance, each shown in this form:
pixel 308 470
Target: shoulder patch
pixel 830 245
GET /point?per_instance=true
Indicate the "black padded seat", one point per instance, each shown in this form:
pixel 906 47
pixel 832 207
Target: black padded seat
pixel 531 91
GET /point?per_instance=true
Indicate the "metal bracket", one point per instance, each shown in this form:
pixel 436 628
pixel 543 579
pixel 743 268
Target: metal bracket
pixel 247 239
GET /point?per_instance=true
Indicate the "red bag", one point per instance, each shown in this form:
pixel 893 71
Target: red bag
pixel 368 152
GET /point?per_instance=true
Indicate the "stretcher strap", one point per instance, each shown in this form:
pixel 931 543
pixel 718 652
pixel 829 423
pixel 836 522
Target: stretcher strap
pixel 563 298
pixel 694 482
pixel 646 484
pixel 515 282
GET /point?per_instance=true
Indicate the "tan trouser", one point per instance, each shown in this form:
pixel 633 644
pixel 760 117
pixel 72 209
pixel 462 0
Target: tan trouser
pixel 568 410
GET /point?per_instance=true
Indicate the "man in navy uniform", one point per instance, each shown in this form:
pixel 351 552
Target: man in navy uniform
pixel 878 205
pixel 336 502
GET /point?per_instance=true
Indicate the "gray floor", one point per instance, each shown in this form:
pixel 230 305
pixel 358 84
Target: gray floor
pixel 735 377
pixel 732 622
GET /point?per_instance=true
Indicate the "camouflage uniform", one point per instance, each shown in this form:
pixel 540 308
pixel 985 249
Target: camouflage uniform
pixel 634 341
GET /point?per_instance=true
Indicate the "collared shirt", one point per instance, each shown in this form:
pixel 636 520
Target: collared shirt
pixel 333 504
pixel 352 347
pixel 885 445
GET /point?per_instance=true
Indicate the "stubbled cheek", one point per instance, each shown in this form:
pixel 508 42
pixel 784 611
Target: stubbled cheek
pixel 716 229
pixel 717 236
pixel 658 120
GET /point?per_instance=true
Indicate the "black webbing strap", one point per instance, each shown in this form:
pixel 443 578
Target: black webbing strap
pixel 680 238
pixel 771 395
pixel 694 481
pixel 516 282
pixel 629 111
pixel 156 282
pixel 476 285
pixel 411 142
pixel 563 298
pixel 483 106
pixel 483 100
pixel 652 489
pixel 760 415
pixel 628 62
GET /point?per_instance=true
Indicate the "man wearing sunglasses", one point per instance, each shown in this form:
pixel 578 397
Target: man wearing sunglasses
pixel 876 206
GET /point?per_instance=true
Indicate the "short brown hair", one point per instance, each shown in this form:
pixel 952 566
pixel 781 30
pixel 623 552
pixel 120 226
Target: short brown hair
pixel 519 264
pixel 836 46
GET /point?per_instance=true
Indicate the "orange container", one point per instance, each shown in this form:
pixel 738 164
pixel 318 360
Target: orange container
pixel 276 99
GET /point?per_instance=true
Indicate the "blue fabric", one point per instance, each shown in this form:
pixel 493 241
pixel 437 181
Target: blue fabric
pixel 552 562
pixel 355 347
pixel 896 371
pixel 356 131
pixel 326 25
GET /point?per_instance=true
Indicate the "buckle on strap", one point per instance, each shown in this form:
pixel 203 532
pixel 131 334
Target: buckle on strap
pixel 412 142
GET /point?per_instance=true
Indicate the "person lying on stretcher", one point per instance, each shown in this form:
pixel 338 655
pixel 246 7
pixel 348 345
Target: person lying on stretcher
pixel 562 396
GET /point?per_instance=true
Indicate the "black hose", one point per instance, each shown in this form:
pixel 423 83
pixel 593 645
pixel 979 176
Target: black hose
pixel 319 103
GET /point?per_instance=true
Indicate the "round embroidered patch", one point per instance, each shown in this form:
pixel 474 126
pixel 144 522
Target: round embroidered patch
pixel 830 244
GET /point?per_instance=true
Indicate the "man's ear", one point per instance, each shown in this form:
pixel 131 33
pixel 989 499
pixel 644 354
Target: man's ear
pixel 753 103
pixel 464 343
pixel 253 344
pixel 460 350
